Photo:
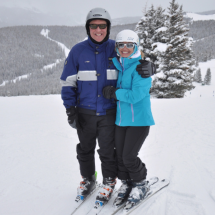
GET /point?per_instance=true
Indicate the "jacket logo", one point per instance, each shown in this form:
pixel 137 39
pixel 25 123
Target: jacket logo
pixel 87 61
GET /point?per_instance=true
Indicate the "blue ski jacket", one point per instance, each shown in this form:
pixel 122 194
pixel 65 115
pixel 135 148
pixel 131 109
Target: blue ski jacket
pixel 133 105
pixel 87 70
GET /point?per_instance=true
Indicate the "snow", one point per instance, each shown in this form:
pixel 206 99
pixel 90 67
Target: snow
pixel 45 33
pixel 198 17
pixel 40 172
pixel 206 90
pixel 161 47
pixel 16 79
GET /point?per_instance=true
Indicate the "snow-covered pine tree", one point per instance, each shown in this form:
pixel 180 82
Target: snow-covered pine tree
pixel 151 31
pixel 176 76
pixel 145 29
pixel 198 76
pixel 207 79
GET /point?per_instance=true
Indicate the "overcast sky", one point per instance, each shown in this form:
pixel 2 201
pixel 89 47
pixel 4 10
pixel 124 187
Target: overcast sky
pixel 116 8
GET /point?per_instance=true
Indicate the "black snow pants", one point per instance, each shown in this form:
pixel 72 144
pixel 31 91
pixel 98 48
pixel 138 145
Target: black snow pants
pixel 89 128
pixel 128 141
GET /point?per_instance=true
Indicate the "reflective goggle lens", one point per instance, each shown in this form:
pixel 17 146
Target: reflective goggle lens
pixel 128 45
pixel 95 26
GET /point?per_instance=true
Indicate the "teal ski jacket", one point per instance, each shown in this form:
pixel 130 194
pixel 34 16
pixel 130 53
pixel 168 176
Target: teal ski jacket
pixel 133 105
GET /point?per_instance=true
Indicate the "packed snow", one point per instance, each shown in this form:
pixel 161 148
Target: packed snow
pixel 40 172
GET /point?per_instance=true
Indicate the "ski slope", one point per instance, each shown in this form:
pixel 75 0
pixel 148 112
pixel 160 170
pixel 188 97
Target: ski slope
pixel 39 172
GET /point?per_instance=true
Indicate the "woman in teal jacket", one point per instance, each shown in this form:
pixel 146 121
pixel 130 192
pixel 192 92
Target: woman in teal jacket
pixel 133 119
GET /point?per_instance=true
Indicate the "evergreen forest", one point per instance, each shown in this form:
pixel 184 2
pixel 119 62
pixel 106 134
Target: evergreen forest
pixel 24 52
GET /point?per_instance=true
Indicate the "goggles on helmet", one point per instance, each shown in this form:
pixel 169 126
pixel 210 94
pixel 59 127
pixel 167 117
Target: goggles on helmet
pixel 128 45
pixel 95 26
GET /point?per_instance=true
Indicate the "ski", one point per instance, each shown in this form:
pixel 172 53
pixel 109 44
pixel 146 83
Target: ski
pixel 99 205
pixel 151 182
pixel 153 190
pixel 80 200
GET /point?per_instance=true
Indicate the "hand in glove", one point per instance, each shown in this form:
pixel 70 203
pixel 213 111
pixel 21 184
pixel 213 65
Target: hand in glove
pixel 109 92
pixel 72 116
pixel 146 68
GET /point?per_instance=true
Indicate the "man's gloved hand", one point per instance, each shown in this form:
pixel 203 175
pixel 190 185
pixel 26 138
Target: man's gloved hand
pixel 72 116
pixel 146 68
pixel 109 92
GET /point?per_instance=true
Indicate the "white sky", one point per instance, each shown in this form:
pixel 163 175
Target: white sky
pixel 116 8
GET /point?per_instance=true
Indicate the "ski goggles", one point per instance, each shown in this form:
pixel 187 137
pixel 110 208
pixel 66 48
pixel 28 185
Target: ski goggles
pixel 95 26
pixel 128 45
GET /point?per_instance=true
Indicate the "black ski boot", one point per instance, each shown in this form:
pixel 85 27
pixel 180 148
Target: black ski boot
pixel 106 189
pixel 86 187
pixel 123 193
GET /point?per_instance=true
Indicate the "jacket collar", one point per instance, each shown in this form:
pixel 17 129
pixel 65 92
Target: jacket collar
pixel 97 47
pixel 125 63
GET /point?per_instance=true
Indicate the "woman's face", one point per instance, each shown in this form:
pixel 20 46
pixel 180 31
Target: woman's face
pixel 125 52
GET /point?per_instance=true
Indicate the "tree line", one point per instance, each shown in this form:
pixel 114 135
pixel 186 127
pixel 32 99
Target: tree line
pixel 25 51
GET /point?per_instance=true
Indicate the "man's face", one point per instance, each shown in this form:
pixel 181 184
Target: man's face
pixel 98 34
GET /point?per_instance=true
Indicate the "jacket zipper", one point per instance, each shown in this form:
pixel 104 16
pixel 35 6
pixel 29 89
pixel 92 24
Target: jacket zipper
pixel 132 112
pixel 120 88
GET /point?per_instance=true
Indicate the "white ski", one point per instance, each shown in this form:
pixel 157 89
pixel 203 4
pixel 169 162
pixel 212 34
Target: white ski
pixel 79 201
pixel 153 190
pixel 151 182
pixel 99 205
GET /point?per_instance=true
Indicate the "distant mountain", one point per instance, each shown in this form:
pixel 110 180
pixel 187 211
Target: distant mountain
pixel 15 16
pixel 23 16
pixel 126 20
pixel 207 12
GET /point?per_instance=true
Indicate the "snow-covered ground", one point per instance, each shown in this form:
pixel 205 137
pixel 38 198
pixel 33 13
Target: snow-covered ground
pixel 39 172
pixel 206 90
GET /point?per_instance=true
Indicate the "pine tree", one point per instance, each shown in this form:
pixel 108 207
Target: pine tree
pixel 207 79
pixel 198 76
pixel 176 76
pixel 151 29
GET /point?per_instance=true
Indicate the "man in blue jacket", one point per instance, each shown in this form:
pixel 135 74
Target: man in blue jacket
pixel 87 70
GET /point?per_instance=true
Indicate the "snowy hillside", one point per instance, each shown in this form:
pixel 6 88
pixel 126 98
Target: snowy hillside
pixel 198 17
pixel 206 91
pixel 40 172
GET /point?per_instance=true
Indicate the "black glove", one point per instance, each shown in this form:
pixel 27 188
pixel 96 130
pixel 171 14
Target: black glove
pixel 72 116
pixel 146 68
pixel 109 92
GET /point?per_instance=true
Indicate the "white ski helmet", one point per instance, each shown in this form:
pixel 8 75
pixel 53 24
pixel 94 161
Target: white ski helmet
pixel 128 36
pixel 98 13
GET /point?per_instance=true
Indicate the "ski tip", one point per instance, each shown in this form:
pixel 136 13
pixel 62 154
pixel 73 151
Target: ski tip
pixel 165 180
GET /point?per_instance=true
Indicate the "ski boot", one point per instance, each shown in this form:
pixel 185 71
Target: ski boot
pixel 123 193
pixel 138 193
pixel 105 191
pixel 86 187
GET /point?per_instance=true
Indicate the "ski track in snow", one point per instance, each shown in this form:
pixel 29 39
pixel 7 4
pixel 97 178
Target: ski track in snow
pixel 44 33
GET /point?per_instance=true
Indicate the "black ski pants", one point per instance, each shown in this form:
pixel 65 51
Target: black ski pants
pixel 91 127
pixel 128 141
